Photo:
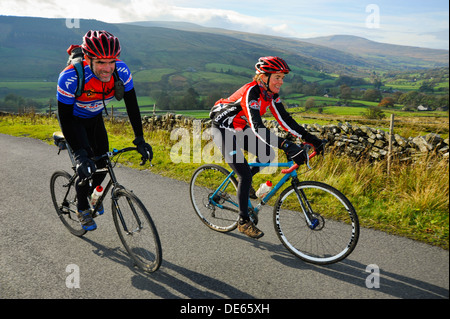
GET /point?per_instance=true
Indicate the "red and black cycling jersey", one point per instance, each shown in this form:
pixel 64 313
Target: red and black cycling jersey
pixel 245 108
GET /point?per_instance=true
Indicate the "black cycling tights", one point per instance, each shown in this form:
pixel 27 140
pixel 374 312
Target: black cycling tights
pixel 231 144
pixel 95 141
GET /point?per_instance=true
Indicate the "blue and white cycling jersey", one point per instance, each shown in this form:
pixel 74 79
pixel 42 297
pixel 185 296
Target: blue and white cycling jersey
pixel 96 94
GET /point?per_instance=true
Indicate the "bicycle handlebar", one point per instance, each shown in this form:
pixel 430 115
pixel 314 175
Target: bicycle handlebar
pixel 296 166
pixel 110 155
pixel 127 149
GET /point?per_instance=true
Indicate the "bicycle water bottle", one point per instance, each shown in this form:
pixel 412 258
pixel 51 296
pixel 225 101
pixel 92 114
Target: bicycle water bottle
pixel 264 189
pixel 98 191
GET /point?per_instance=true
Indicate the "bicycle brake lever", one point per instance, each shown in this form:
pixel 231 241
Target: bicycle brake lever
pixel 307 162
pixel 307 147
pixel 142 163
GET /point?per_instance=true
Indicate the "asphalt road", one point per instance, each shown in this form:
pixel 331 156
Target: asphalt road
pixel 39 258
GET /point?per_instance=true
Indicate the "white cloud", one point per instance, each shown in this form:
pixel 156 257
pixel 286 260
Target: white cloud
pixel 400 21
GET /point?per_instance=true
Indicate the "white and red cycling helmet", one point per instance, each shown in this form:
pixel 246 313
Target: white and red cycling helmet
pixel 271 65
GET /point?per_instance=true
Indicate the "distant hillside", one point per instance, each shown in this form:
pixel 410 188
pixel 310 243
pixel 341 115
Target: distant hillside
pixel 353 51
pixel 169 58
pixel 34 48
pixel 406 55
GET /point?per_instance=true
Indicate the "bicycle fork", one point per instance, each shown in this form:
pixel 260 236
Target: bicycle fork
pixel 311 220
pixel 122 220
pixel 113 182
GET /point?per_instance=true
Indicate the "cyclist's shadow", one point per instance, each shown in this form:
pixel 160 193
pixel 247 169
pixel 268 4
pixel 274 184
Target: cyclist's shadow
pixel 354 272
pixel 206 287
pixel 118 254
pixel 162 282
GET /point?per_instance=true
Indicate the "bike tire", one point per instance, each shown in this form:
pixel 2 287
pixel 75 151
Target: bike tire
pixel 204 182
pixel 141 241
pixel 337 231
pixel 66 206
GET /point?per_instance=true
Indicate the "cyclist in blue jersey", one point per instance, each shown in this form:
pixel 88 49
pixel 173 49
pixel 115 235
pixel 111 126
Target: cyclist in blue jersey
pixel 81 117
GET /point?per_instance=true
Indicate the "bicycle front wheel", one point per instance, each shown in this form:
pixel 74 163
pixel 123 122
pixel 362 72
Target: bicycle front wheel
pixel 64 197
pixel 136 230
pixel 214 198
pixel 334 231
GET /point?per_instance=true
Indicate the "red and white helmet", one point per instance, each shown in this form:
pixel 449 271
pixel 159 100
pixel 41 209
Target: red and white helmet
pixel 101 45
pixel 271 64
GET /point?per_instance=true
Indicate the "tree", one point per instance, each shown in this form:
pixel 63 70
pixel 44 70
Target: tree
pixel 346 93
pixel 374 112
pixel 386 102
pixel 309 103
pixel 410 99
pixel 427 87
pixel 163 100
pixel 372 95
pixel 191 100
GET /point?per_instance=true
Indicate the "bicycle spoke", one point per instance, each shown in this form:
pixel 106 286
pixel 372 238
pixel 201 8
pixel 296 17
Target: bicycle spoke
pixel 213 197
pixel 65 201
pixel 335 231
pixel 137 230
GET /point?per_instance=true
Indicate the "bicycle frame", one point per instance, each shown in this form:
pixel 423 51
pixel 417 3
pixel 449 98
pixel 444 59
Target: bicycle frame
pixel 290 173
pixel 269 195
pixel 115 184
pixel 111 183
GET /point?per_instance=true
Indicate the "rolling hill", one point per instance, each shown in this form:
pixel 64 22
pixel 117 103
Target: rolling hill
pixel 405 55
pixel 34 50
pixel 354 51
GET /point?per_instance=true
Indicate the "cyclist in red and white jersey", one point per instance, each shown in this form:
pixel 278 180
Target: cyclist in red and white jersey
pixel 237 124
pixel 81 116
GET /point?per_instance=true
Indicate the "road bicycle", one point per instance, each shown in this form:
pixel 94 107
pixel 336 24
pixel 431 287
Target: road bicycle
pixel 133 222
pixel 313 220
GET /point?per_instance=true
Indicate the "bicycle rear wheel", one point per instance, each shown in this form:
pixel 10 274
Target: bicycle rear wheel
pixel 215 204
pixel 136 230
pixel 64 197
pixel 335 232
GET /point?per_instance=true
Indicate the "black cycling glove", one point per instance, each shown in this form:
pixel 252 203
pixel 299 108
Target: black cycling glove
pixel 85 166
pixel 144 149
pixel 294 152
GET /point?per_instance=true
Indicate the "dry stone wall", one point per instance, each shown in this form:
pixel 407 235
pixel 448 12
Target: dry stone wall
pixel 352 140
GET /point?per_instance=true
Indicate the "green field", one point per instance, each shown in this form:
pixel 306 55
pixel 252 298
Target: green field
pixel 40 91
pixel 219 67
pixel 151 76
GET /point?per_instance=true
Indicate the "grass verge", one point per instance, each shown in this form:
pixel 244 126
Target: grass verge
pixel 412 201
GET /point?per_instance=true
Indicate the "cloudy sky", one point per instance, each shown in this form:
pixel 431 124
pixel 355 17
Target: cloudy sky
pixel 406 22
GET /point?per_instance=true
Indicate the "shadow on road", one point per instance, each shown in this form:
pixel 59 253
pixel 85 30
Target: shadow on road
pixel 165 285
pixel 354 272
pixel 166 282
